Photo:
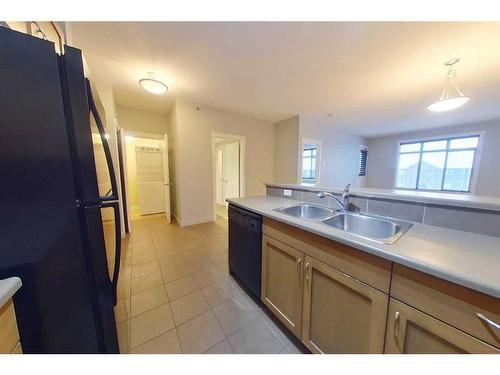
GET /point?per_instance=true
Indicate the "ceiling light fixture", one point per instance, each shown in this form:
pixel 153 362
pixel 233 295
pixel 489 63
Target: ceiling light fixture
pixel 451 97
pixel 152 85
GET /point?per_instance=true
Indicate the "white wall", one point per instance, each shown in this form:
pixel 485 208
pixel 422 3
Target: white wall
pixel 286 150
pixel 382 156
pixel 193 165
pixel 339 153
pixel 141 121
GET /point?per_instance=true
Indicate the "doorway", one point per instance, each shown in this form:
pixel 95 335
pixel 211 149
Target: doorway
pixel 228 156
pixel 147 174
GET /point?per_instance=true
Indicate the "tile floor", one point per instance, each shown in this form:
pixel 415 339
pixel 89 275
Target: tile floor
pixel 176 295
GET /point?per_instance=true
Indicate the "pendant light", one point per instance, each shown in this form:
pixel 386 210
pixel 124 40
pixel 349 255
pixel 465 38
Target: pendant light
pixel 451 97
pixel 153 85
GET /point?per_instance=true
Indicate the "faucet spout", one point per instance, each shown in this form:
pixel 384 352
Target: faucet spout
pixel 344 203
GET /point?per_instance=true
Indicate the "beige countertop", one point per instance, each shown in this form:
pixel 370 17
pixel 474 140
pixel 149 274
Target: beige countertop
pixel 446 199
pixel 8 287
pixel 468 259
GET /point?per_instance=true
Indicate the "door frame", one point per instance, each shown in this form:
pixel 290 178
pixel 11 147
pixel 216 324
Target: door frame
pixel 239 138
pixel 122 160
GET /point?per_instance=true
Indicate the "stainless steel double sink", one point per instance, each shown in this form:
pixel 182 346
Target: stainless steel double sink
pixel 377 228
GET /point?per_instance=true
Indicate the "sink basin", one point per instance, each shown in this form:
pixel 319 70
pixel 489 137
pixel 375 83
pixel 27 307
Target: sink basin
pixel 383 230
pixel 307 211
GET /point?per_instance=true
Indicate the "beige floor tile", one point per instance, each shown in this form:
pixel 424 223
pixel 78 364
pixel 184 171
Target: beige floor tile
pixel 200 333
pixel 122 310
pixel 123 333
pixel 142 249
pixel 142 270
pixel 194 254
pixel 222 347
pixel 290 349
pixel 207 277
pixel 181 287
pixel 200 264
pixel 219 257
pixel 150 324
pixel 148 300
pixel 125 274
pixel 223 267
pixel 273 327
pixel 177 271
pixel 187 307
pixel 254 338
pixel 166 343
pixel 147 282
pixel 125 262
pixel 168 248
pixel 123 289
pixel 143 258
pixel 233 315
pixel 219 292
pixel 171 260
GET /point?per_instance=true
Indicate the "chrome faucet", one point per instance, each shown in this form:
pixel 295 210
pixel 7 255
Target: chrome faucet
pixel 343 203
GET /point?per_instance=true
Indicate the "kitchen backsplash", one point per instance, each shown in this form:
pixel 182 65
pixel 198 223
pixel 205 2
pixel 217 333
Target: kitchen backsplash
pixel 461 218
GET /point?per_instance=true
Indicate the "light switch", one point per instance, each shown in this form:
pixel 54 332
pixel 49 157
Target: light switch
pixel 287 193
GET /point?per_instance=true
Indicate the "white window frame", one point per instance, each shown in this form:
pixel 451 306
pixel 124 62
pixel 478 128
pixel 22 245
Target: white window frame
pixel 318 144
pixel 475 164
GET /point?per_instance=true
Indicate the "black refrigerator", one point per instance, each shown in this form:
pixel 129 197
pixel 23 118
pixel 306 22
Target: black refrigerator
pixel 60 221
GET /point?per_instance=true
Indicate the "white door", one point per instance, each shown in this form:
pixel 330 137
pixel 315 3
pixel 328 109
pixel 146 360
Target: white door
pixel 150 181
pixel 231 170
pixel 166 180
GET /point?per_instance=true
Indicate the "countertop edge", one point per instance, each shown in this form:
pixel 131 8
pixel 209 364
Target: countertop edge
pixel 9 287
pixel 476 202
pixel 468 282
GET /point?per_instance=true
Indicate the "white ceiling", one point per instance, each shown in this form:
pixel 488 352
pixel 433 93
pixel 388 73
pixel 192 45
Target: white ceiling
pixel 374 78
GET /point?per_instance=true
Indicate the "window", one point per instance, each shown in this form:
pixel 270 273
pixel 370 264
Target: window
pixel 440 164
pixel 363 159
pixel 309 164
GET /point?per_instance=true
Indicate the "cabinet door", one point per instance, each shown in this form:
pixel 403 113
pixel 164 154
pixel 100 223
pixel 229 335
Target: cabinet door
pixel 282 282
pixel 341 314
pixel 411 331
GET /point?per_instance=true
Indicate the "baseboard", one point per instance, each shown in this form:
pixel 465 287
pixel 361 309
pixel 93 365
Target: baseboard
pixel 186 223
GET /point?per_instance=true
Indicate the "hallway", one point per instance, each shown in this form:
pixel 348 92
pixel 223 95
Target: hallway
pixel 176 295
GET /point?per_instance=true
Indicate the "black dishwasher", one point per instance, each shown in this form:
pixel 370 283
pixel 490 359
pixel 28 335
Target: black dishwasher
pixel 245 244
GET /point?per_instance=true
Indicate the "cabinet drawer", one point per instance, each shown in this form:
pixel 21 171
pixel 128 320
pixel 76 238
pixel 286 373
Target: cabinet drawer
pixel 448 302
pixel 368 268
pixel 410 331
pixel 9 336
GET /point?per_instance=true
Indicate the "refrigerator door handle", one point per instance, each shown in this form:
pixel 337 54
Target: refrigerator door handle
pixel 105 144
pixel 118 246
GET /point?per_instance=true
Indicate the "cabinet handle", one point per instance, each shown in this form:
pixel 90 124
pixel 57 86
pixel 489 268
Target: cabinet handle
pixel 488 320
pixel 396 323
pixel 306 269
pixel 299 262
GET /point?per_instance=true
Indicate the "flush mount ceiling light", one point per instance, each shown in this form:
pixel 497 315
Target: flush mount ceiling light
pixel 451 97
pixel 152 85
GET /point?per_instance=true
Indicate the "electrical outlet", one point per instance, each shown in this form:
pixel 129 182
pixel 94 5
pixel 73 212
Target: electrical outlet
pixel 287 193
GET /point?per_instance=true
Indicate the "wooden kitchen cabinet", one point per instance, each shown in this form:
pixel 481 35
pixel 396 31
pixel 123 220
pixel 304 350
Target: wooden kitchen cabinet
pixel 282 269
pixel 341 314
pixel 410 331
pixel 9 335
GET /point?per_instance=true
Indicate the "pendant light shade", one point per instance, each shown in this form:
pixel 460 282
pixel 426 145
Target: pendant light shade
pixel 153 85
pixel 451 97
